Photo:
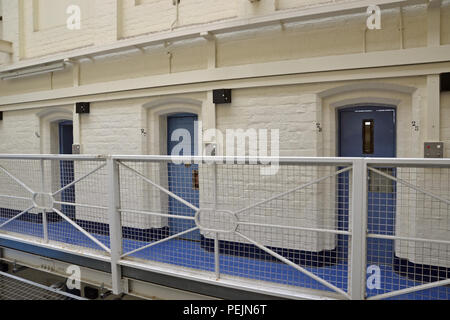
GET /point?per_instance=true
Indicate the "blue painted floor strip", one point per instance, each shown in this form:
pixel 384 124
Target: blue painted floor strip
pixel 190 254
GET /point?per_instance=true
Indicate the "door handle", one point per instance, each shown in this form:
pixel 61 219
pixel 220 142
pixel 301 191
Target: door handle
pixel 195 183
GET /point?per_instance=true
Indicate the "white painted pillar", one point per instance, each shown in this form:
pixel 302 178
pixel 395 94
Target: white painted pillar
pixel 119 19
pixel 76 120
pixel 21 32
pixel 145 130
pixel 433 108
pixel 208 107
pixel 76 74
pixel 434 23
pixel 35 7
pixel 433 81
pixel 319 127
pixel 211 49
pixel 209 112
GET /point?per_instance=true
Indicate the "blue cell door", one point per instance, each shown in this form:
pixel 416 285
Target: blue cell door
pixel 182 179
pixel 66 166
pixel 370 132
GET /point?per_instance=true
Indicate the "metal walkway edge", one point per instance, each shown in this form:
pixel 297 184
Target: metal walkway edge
pixel 15 288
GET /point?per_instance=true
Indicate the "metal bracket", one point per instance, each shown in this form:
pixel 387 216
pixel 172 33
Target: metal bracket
pixel 17 268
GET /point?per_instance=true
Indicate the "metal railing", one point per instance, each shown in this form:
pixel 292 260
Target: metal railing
pixel 345 228
pixel 408 230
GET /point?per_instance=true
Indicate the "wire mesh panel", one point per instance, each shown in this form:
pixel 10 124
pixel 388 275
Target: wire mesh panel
pixel 231 220
pixel 151 216
pixel 55 200
pixel 16 197
pixel 15 288
pixel 408 246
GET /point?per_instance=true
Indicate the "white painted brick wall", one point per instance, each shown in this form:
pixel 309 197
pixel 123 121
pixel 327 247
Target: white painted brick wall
pixel 4 58
pixel 115 128
pixel 288 110
pixel 157 15
pixel 17 132
pixel 11 25
pixel 293 113
pixel 289 4
pixel 55 39
pixel 111 128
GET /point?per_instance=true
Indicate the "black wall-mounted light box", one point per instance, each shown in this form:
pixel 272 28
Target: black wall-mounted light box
pixel 445 82
pixel 1 115
pixel 222 96
pixel 82 107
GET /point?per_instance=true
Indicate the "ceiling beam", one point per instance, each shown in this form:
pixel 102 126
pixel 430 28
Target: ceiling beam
pixel 362 61
pixel 215 28
pixel 434 3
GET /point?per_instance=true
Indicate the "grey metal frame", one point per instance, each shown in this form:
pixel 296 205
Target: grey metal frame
pixel 28 289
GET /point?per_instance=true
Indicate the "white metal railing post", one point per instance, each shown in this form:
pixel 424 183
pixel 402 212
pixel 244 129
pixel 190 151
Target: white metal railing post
pixel 358 223
pixel 115 224
pixel 216 256
pixel 44 213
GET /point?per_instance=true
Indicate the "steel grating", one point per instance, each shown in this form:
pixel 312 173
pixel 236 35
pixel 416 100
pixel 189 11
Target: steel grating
pixel 15 288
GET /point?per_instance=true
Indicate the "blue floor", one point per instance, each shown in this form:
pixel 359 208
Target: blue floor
pixel 190 254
